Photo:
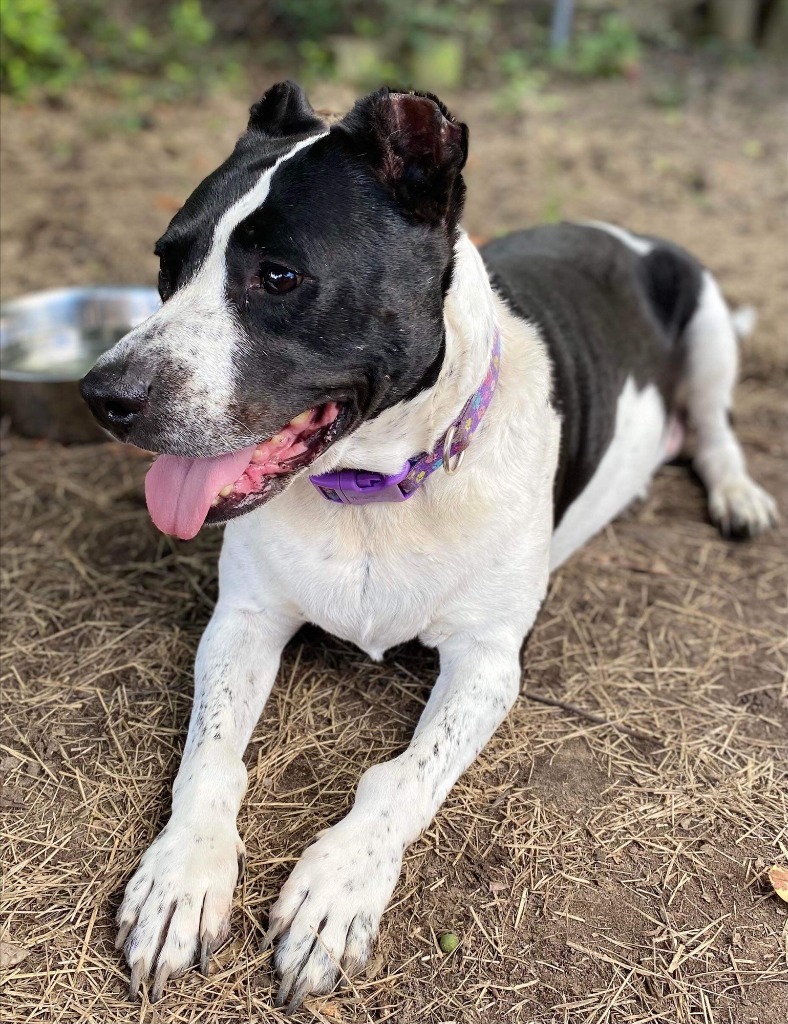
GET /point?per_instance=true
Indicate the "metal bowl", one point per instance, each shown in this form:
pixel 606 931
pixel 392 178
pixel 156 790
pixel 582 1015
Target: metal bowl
pixel 48 342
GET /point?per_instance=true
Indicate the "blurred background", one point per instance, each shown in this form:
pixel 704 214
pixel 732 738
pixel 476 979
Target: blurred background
pixel 113 110
pixel 190 45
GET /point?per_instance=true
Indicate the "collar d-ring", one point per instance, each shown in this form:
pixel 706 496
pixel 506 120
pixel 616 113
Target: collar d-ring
pixel 448 441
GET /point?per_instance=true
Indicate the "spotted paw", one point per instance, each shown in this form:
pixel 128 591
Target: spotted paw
pixel 740 508
pixel 328 913
pixel 177 905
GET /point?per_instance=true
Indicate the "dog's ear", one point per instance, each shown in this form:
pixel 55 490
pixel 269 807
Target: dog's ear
pixel 416 150
pixel 283 110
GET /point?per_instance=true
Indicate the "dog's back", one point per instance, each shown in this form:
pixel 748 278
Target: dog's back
pixel 640 341
pixel 609 307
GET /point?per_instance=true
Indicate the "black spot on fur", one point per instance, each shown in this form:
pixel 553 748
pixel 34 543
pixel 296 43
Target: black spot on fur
pixel 672 281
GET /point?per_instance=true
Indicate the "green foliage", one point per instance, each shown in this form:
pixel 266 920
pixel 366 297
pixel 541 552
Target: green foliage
pixel 174 49
pixel 309 19
pixel 33 47
pixel 189 25
pixel 439 44
pixel 165 49
pixel 439 62
pixel 430 43
pixel 315 59
pixel 520 81
pixel 47 45
pixel 170 48
pixel 613 49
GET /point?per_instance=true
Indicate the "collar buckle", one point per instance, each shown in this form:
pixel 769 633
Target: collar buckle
pixel 360 486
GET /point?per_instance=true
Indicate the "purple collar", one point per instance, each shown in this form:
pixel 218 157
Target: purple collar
pixel 360 487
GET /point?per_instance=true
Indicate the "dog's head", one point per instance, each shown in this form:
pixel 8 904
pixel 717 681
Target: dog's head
pixel 302 286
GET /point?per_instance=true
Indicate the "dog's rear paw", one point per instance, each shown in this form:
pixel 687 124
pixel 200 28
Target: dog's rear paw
pixel 177 906
pixel 327 916
pixel 740 508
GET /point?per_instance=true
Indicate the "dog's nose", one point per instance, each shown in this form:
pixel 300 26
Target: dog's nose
pixel 116 403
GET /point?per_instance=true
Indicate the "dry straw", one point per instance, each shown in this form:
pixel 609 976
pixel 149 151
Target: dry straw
pixel 601 863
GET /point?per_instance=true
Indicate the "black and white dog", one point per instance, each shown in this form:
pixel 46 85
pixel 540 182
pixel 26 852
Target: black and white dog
pixel 468 420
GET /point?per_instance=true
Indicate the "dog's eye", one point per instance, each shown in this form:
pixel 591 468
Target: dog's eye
pixel 278 280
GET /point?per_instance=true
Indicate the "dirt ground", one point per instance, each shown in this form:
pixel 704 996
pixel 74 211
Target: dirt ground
pixel 603 860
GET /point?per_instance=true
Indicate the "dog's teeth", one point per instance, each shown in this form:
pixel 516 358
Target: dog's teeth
pixel 215 501
pixel 279 439
pixel 225 492
pixel 302 418
pixel 257 456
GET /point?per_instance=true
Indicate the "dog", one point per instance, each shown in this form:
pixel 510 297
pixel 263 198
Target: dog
pixel 405 437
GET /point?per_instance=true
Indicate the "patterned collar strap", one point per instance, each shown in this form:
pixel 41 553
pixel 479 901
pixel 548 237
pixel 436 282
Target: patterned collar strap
pixel 361 487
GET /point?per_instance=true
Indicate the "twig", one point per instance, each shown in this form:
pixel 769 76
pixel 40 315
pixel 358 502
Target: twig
pixel 572 709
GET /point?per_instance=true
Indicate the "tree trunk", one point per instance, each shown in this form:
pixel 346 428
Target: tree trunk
pixel 734 21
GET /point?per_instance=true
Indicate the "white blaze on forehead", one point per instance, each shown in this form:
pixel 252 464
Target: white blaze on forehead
pixel 196 327
pixel 208 346
pixel 240 210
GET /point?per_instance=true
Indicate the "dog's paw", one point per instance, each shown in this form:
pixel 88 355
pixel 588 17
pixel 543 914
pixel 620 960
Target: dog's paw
pixel 178 903
pixel 740 508
pixel 328 913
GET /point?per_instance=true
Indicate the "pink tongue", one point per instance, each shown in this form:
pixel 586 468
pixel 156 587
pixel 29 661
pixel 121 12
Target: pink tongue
pixel 179 491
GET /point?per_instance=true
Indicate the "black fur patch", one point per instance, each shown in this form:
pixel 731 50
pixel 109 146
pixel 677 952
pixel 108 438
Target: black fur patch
pixel 416 149
pixel 284 110
pixel 671 279
pixel 606 314
pixel 367 215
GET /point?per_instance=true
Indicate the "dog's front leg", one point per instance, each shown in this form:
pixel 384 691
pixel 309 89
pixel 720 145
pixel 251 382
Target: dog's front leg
pixel 328 913
pixel 178 903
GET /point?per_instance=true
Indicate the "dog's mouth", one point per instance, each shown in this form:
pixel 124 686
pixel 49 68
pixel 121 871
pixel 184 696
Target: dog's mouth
pixel 183 494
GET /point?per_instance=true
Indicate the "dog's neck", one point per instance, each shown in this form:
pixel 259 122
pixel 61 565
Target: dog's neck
pixel 409 428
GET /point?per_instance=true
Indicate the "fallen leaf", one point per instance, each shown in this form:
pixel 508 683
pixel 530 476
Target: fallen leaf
pixel 11 955
pixel 374 967
pixel 778 876
pixel 330 1009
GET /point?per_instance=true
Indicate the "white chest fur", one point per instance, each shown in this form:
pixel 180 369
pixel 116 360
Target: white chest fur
pixel 376 576
pixel 381 574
